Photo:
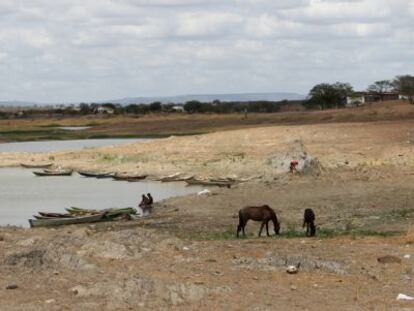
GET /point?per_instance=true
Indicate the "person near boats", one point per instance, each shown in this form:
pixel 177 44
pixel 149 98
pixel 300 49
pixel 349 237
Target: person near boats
pixel 146 202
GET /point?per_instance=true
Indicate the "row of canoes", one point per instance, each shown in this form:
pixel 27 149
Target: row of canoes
pixel 77 215
pixel 130 178
pixel 190 180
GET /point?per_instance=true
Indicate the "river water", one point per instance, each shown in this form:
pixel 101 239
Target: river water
pixel 23 194
pixel 61 145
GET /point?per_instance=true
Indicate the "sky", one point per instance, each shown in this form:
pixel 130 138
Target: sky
pixel 86 50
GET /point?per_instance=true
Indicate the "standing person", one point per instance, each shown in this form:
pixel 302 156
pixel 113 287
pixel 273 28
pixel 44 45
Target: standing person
pixel 144 201
pixel 150 199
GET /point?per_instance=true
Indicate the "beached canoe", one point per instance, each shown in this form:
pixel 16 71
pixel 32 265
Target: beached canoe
pixel 95 175
pixel 110 213
pixel 34 165
pixel 197 182
pixel 129 178
pixel 175 177
pixel 53 173
pixel 55 215
pixel 50 222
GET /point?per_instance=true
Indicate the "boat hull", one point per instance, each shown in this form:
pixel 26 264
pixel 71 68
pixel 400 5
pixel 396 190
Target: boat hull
pixel 46 165
pixel 51 222
pixel 129 178
pixel 95 175
pixel 68 173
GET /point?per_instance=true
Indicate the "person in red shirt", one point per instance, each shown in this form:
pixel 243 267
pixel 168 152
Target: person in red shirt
pixel 293 165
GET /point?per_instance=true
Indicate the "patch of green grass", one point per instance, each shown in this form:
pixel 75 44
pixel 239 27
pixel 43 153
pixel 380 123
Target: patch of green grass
pixel 92 124
pixel 403 212
pixel 51 125
pixel 289 233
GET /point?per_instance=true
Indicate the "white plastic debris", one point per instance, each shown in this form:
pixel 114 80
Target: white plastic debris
pixel 292 269
pixel 407 256
pixel 204 192
pixel 404 297
pixel 185 248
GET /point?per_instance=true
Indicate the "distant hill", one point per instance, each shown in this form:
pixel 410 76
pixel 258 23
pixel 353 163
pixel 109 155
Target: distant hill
pixel 277 96
pixel 17 103
pixel 244 97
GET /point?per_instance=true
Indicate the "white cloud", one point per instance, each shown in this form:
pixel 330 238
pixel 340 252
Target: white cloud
pixel 74 50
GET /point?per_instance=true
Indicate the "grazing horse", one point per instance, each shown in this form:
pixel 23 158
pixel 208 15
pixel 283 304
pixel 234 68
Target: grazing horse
pixel 309 221
pixel 258 213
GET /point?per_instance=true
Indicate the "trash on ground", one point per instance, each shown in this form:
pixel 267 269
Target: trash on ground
pixel 404 297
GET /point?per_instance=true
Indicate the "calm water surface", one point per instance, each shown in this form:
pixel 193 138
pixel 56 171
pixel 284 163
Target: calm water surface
pixel 60 145
pixel 22 194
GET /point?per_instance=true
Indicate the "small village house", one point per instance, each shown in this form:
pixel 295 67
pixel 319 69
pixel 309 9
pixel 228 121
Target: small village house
pixel 104 110
pixel 361 98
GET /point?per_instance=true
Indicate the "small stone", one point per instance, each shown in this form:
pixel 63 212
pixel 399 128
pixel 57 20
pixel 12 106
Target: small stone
pixel 293 287
pixel 211 260
pixel 255 278
pixel 185 248
pixel 78 290
pixel 388 259
pixel 49 301
pixel 12 286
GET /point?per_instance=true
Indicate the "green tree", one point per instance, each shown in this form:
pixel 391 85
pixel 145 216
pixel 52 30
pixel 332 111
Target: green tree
pixel 381 87
pixel 84 109
pixel 327 96
pixel 193 106
pixel 155 106
pixel 405 86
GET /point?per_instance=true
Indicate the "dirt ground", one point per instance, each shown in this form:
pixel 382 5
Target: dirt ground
pixel 357 177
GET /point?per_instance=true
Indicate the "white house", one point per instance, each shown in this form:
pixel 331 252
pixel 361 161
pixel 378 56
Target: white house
pixel 178 109
pixel 104 110
pixel 361 98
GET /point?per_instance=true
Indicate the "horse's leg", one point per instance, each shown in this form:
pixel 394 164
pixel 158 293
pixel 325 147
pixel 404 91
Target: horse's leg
pixel 244 226
pixel 261 227
pixel 312 229
pixel 308 229
pixel 267 227
pixel 240 226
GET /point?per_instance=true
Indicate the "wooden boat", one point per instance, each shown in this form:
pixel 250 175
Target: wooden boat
pixel 34 165
pixel 53 173
pixel 55 215
pixel 95 175
pixel 175 177
pixel 197 182
pixel 49 222
pixel 129 178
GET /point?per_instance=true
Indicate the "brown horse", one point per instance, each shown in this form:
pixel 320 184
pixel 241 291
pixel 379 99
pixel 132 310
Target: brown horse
pixel 258 213
pixel 309 222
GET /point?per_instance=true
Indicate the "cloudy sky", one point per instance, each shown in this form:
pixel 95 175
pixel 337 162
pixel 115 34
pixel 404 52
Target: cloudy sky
pixel 85 50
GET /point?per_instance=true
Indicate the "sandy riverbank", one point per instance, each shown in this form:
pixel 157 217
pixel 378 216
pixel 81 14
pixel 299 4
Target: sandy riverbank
pixel 185 256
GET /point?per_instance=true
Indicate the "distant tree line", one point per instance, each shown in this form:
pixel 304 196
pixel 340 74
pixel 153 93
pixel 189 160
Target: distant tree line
pixel 321 96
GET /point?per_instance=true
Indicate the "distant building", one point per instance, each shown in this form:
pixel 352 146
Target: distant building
pixel 104 110
pixel 361 98
pixel 178 109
